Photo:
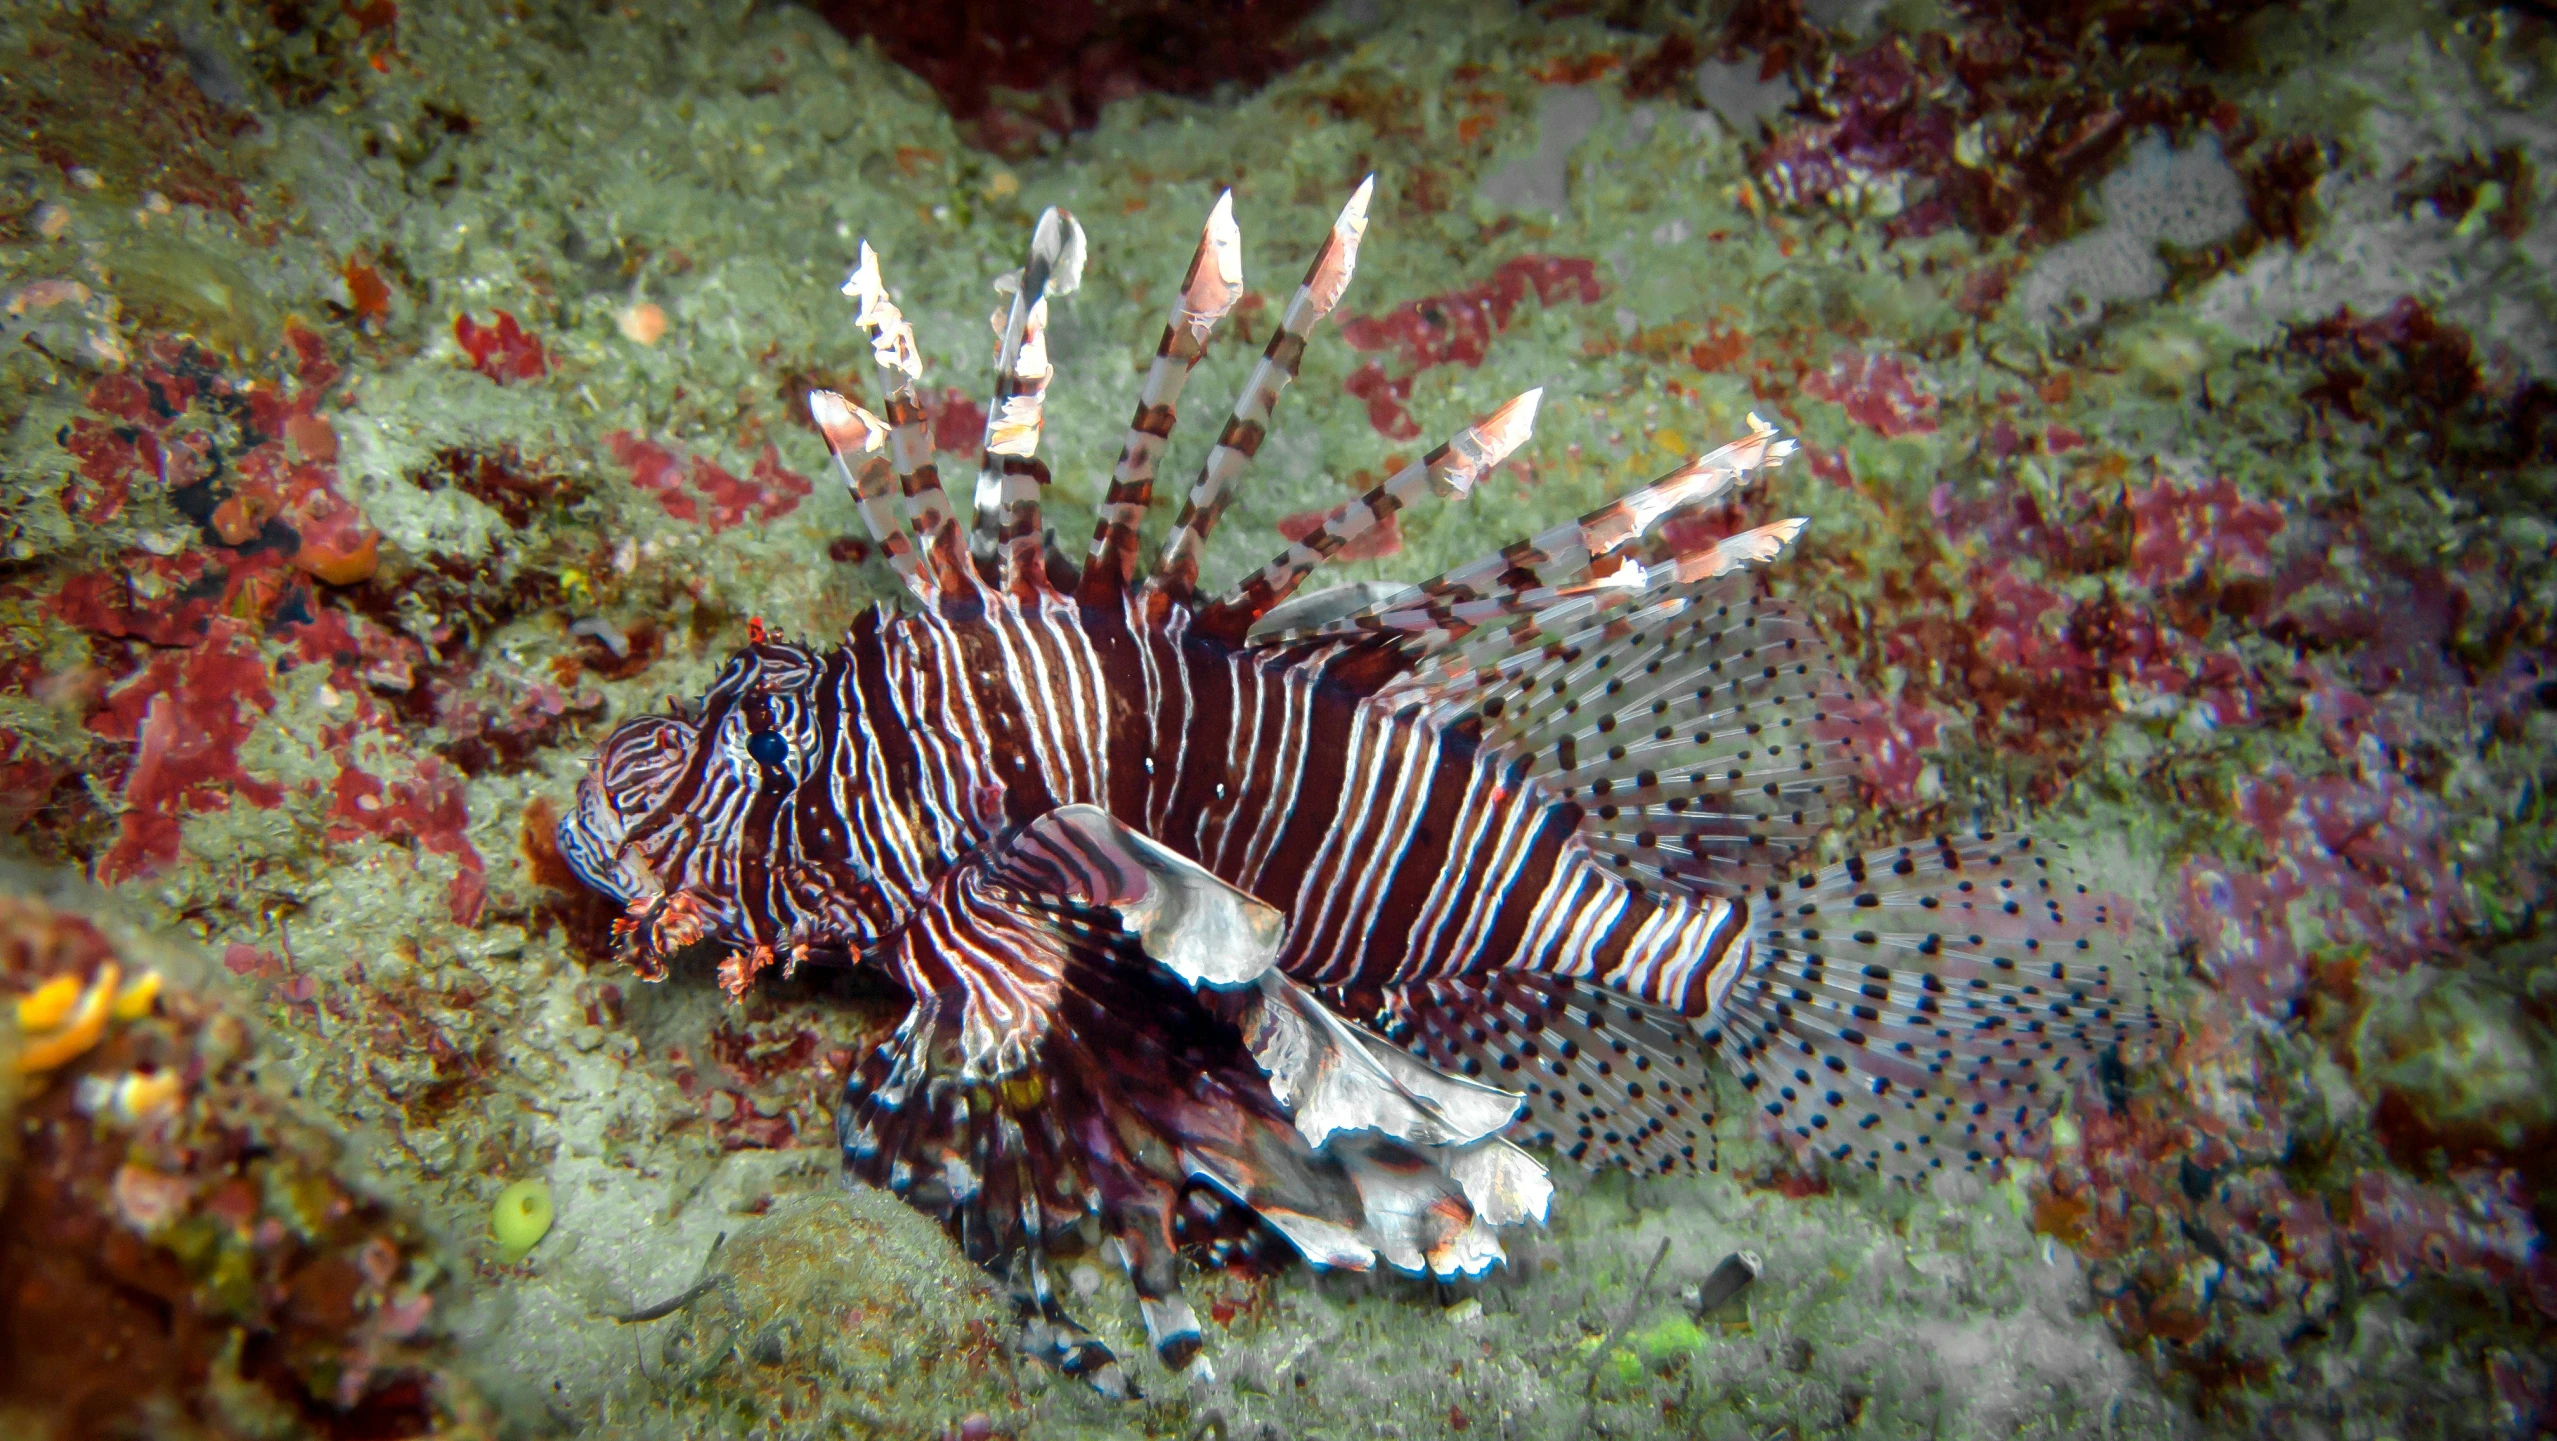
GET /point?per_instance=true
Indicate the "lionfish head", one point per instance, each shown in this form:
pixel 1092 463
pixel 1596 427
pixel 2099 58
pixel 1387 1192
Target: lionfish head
pixel 664 809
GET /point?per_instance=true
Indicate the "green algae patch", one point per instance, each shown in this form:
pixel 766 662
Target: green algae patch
pixel 521 1218
pixel 1676 1336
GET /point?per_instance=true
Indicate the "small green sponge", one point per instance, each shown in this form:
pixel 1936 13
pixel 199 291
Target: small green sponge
pixel 521 1219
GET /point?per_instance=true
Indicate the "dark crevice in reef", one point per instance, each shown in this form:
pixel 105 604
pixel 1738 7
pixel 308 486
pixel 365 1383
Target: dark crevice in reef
pixel 1016 73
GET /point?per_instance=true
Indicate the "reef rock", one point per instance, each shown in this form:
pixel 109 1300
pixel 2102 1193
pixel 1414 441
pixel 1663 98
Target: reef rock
pixel 842 1313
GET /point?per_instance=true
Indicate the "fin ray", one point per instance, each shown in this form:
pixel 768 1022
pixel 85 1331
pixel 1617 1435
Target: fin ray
pixel 942 560
pixel 1210 288
pixel 1010 477
pixel 1176 571
pixel 1450 471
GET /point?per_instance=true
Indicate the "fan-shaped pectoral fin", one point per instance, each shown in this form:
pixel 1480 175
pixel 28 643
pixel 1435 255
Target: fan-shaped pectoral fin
pixel 1413 1136
pixel 1392 1158
pixel 1201 929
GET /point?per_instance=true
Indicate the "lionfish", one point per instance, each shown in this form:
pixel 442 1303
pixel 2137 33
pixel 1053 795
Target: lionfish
pixel 1300 915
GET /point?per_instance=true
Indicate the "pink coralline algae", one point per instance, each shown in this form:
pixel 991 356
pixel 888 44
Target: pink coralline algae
pixel 1455 327
pixel 504 351
pixel 1384 397
pixel 682 484
pixel 2176 533
pixel 2075 659
pixel 2476 1226
pixel 252 459
pixel 958 422
pixel 503 724
pixel 1830 464
pixel 2359 868
pixel 1890 738
pixel 112 458
pixel 256 596
pixel 185 716
pixel 170 600
pixel 362 657
pixel 427 809
pixel 1881 392
pixel 2057 664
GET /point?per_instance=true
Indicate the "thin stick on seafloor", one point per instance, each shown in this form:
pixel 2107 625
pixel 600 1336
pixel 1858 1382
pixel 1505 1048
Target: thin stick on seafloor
pixel 683 1298
pixel 1624 1318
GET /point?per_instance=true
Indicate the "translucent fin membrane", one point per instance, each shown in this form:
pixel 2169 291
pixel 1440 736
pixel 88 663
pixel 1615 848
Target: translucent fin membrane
pixel 1610 1080
pixel 1926 1006
pixel 1685 732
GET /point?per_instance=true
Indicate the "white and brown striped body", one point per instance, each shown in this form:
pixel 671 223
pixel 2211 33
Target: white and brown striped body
pixel 1399 848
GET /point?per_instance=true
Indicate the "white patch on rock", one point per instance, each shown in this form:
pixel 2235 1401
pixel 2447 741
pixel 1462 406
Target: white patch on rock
pixel 2158 195
pixel 2370 250
pixel 1738 97
pixel 1538 181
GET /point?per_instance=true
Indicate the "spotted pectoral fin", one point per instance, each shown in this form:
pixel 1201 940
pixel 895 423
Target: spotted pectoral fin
pixel 1201 929
pixel 1930 1006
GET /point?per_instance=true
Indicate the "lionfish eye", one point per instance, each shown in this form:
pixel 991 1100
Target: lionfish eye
pixel 768 748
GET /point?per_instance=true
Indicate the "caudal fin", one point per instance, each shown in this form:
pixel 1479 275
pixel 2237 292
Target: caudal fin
pixel 1928 1006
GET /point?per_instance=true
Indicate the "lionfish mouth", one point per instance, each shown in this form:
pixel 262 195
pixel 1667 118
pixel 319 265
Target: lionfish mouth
pixel 1132 849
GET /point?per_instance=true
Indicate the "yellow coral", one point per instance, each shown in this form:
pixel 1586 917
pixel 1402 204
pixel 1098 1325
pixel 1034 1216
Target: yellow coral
pixel 139 1095
pixel 43 1008
pixel 75 1029
pixel 134 1001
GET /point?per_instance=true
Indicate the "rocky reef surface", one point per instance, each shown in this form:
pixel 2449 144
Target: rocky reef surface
pixel 394 396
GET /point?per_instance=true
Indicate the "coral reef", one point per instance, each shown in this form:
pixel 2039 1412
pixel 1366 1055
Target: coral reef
pixel 394 397
pixel 180 1247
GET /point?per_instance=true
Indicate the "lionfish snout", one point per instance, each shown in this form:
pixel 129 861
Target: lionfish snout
pixel 663 810
pixel 640 765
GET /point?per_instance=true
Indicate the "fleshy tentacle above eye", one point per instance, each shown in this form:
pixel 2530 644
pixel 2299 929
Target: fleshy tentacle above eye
pixel 1101 1028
